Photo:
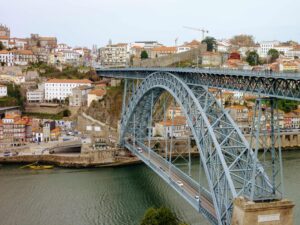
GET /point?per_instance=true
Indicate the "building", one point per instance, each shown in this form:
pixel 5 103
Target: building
pixel 16 130
pixel 43 42
pixel 17 57
pixel 223 46
pixel 79 96
pixel 114 55
pixel 146 44
pixel 239 113
pixel 171 128
pixel 4 31
pixel 295 52
pixel 18 43
pixel 3 90
pixel 23 57
pixel 48 126
pixel 162 51
pixel 5 41
pixel 211 59
pixel 174 112
pixel 60 89
pixel 35 95
pixel 6 57
pixel 267 45
pixel 96 95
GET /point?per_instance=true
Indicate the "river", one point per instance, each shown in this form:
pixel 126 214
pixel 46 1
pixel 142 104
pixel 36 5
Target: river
pixel 104 196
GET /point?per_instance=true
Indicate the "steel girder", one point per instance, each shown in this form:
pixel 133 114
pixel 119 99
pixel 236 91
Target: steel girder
pixel 279 85
pixel 225 154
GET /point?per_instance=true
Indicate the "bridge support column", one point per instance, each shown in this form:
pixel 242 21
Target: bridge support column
pixel 262 213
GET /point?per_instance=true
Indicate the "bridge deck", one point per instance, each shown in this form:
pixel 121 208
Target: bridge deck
pixel 265 83
pixel 189 190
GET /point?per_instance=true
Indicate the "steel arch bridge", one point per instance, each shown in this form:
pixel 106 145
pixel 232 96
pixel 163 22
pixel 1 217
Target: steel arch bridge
pixel 231 167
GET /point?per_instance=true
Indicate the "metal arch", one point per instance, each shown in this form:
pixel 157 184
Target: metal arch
pixel 223 150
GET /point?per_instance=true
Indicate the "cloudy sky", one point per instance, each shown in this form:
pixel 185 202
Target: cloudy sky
pixel 87 22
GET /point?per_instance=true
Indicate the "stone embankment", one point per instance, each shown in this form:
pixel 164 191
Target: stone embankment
pixel 101 158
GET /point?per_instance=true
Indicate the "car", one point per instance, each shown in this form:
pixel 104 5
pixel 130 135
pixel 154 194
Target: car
pixel 197 198
pixel 179 183
pixel 140 150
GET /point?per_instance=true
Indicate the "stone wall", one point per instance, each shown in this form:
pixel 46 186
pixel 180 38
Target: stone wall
pixel 171 59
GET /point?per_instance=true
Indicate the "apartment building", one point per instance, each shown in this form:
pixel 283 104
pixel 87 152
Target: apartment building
pixel 114 55
pixel 172 128
pixel 17 57
pixel 16 129
pixel 79 96
pixel 60 89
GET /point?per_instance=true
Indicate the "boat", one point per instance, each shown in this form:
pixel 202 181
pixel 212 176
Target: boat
pixel 41 167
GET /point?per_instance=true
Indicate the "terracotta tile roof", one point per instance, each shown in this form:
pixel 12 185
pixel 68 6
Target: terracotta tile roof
pixel 164 49
pixel 4 37
pixel 23 52
pixel 98 92
pixel 4 52
pixel 83 81
pixel 237 107
pixel 178 121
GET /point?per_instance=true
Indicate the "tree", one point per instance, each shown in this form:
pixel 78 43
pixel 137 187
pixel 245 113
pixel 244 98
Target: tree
pixel 144 55
pixel 160 216
pixel 243 40
pixel 211 43
pixel 2 47
pixel 66 113
pixel 252 58
pixel 274 54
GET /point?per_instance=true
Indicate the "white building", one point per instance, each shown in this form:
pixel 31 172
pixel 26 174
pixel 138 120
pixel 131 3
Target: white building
pixel 3 90
pixel 265 46
pixel 96 95
pixel 7 57
pixel 146 44
pixel 62 88
pixel 223 45
pixel 295 52
pixel 171 128
pixel 35 95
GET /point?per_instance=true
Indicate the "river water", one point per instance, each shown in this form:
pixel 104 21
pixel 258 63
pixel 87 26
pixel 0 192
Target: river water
pixel 104 196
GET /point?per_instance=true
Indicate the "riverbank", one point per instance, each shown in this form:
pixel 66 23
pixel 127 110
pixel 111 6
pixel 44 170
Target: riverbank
pixel 71 160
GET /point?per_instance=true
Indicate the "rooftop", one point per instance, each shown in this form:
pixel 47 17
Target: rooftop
pixel 83 81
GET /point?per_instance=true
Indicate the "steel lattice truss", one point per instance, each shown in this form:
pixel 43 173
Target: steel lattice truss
pixel 279 85
pixel 226 157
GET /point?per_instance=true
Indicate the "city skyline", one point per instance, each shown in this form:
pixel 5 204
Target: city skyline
pixel 84 23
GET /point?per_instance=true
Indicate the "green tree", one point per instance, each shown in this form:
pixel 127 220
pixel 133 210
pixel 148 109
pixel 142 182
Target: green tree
pixel 2 47
pixel 66 113
pixel 252 58
pixel 274 54
pixel 144 55
pixel 211 43
pixel 160 216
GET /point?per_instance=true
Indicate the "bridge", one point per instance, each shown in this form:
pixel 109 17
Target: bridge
pixel 231 167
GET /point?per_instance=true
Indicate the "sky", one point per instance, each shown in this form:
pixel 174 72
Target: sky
pixel 88 22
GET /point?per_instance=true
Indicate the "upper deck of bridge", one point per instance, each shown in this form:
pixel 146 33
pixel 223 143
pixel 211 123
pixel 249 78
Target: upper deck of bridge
pixel 140 73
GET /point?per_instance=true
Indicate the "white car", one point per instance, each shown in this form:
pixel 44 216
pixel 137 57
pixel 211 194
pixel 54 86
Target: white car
pixel 140 150
pixel 197 198
pixel 179 183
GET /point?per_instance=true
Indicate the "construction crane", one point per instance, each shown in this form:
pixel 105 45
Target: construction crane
pixel 198 29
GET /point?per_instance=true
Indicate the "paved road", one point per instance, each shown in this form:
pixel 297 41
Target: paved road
pixel 175 176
